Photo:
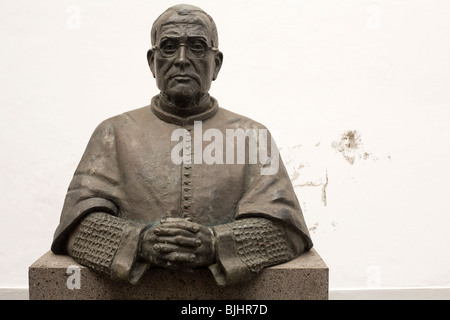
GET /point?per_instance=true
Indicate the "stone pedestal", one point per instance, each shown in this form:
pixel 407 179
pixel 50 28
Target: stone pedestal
pixel 60 277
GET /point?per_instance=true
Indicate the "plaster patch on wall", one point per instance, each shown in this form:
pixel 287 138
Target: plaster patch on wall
pixel 308 184
pixel 351 147
pixel 314 227
pixel 306 168
pixel 333 225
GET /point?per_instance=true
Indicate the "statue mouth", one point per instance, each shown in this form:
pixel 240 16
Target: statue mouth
pixel 183 78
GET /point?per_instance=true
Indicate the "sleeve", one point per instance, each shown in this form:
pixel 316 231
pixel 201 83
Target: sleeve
pixel 269 227
pixel 95 186
pixel 109 245
pixel 246 246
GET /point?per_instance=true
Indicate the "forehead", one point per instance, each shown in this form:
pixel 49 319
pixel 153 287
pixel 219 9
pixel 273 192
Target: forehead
pixel 185 26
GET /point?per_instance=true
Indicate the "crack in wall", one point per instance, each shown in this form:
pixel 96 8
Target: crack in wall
pixel 324 189
pixel 312 184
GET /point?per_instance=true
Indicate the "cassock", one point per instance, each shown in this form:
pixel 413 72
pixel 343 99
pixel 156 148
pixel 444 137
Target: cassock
pixel 130 171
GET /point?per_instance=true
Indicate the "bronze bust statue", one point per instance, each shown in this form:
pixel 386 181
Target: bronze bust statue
pixel 158 188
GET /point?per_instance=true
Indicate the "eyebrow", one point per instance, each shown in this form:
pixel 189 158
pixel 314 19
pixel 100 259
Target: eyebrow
pixel 188 38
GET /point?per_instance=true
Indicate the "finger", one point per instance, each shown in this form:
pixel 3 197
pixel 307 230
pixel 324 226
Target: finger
pixel 180 240
pixel 175 219
pixel 165 248
pixel 179 257
pixel 183 224
pixel 172 232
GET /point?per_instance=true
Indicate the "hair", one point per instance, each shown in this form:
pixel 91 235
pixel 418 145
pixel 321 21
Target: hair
pixel 184 10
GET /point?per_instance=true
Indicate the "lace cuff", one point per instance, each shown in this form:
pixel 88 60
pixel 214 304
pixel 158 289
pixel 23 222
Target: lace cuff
pixel 109 245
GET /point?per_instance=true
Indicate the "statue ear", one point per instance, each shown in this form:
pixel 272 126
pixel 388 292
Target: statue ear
pixel 218 64
pixel 151 61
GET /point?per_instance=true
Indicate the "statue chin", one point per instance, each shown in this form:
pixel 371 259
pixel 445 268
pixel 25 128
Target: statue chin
pixel 183 98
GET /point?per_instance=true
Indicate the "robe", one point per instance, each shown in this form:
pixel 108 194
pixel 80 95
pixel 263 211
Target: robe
pixel 129 170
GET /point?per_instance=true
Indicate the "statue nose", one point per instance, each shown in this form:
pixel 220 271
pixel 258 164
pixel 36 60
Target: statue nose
pixel 181 59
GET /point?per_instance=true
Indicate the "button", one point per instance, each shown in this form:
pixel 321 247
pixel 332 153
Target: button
pixel 186 189
pixel 186 183
pixel 187 174
pixel 186 197
pixel 186 206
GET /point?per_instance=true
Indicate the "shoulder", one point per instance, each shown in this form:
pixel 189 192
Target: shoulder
pixel 126 119
pixel 235 120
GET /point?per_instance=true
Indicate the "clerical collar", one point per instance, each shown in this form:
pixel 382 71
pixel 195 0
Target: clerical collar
pixel 170 113
pixel 166 105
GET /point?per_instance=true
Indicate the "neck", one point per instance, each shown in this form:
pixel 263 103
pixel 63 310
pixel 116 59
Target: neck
pixel 184 108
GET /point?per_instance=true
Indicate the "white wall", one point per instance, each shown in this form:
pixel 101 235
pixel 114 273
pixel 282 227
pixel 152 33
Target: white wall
pixel 311 71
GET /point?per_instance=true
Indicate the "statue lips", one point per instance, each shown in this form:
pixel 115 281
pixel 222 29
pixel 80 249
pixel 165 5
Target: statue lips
pixel 182 77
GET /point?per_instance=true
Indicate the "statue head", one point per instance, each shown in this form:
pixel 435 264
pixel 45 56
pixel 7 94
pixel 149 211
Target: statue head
pixel 184 58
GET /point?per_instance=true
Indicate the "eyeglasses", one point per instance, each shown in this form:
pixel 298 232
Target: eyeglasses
pixel 196 47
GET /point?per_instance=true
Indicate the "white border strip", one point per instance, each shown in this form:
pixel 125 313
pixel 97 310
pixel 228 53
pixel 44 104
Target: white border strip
pixel 14 294
pixel 390 294
pixel 334 294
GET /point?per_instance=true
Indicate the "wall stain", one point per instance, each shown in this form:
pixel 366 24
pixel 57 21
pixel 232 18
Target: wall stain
pixel 308 184
pixel 351 147
pixel 314 227
pixel 334 224
pixel 312 184
pixel 298 168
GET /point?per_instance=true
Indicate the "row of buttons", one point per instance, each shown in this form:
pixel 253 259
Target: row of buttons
pixel 186 182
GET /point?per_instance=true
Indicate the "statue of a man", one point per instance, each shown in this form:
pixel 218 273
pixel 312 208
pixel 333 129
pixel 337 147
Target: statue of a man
pixel 141 199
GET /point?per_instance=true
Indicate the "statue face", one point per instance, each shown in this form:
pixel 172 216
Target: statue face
pixel 183 62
